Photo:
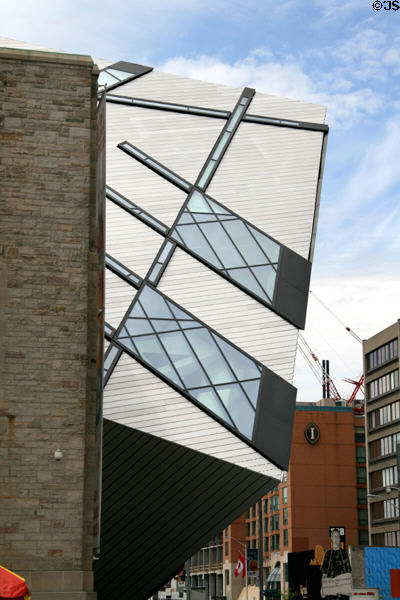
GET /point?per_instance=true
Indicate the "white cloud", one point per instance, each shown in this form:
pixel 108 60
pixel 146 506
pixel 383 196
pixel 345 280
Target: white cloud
pixel 364 303
pixel 283 76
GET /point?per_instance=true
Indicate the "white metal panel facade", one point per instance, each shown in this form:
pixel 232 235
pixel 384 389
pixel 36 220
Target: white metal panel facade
pixel 243 320
pixel 285 108
pixel 119 295
pixel 129 240
pixel 137 398
pixel 269 176
pixel 181 142
pixel 181 90
pixel 136 182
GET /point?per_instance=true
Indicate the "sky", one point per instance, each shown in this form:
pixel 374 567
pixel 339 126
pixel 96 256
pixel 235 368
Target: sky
pixel 343 54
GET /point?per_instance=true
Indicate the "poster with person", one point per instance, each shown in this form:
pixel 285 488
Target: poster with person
pixel 336 570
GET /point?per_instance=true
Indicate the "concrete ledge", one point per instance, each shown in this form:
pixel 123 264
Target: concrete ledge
pixel 80 60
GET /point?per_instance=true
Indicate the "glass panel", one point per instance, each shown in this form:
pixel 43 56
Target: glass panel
pixel 134 151
pixel 108 329
pixel 266 276
pixel 164 253
pixel 178 313
pixel 189 324
pixel 120 74
pixel 155 271
pixel 151 350
pixel 221 145
pixel 204 111
pixel 201 218
pixel 183 359
pixel 245 242
pixel 134 279
pixel 218 209
pixel 222 245
pixel 186 218
pixel 168 173
pixel 209 355
pixel 209 398
pixel 164 325
pixel 206 174
pixel 235 118
pixel 238 407
pixel 194 239
pixel 154 304
pixel 117 267
pixel 127 342
pixel 270 247
pixel 137 311
pixel 246 278
pixel 105 77
pixel 243 367
pixel 251 388
pixel 138 326
pixel 197 203
pixel 110 356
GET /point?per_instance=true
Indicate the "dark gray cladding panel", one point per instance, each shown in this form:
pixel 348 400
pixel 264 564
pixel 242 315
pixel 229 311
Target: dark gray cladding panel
pixel 274 418
pixel 129 67
pixel 292 287
pixel 160 503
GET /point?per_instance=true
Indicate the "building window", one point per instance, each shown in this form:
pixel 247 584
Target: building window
pixel 284 476
pixel 384 477
pixel 226 548
pixel 360 454
pixel 381 355
pixel 383 384
pixel 361 475
pixel 359 434
pixel 275 502
pixel 275 541
pixel 227 532
pixel 384 415
pixel 226 577
pixel 361 495
pixel 392 538
pixel 254 543
pixel 387 509
pixel 363 538
pixel 265 524
pixel 247 529
pixel 285 537
pixel 384 446
pixel 285 516
pixel 362 516
pixel 253 528
pixel 274 522
pixel 284 495
pixel 265 506
pixel 266 544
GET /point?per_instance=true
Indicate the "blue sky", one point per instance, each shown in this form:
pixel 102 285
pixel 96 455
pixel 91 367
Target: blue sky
pixel 343 54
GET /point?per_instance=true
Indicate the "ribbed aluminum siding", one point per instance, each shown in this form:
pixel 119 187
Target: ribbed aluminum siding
pixel 285 108
pixel 129 240
pixel 181 90
pixel 119 295
pixel 180 142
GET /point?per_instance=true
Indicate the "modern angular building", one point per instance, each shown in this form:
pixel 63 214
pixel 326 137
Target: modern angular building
pixel 381 369
pixel 211 212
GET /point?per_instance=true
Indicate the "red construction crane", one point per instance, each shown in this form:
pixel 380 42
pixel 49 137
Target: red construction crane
pixel 321 370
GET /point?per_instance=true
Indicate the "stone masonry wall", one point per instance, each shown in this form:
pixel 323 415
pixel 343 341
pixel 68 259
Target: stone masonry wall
pixel 48 315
